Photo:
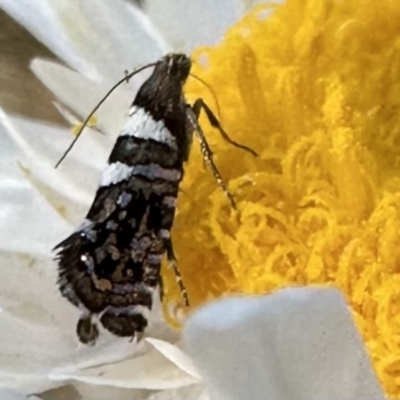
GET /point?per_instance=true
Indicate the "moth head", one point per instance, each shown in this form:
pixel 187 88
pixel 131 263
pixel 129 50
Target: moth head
pixel 178 66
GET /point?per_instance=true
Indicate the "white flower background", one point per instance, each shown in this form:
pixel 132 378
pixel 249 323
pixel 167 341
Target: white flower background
pixel 258 349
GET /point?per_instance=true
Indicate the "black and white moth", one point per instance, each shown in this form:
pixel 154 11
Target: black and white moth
pixel 110 266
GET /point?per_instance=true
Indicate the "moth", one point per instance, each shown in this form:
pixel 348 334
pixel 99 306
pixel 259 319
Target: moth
pixel 110 266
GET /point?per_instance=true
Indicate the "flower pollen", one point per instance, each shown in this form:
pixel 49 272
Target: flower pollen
pixel 91 123
pixel 314 87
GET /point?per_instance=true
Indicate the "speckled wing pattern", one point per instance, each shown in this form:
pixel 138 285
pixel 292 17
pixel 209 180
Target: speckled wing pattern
pixel 110 266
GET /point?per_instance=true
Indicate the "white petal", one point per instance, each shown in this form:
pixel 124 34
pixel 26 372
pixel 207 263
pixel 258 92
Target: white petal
pixel 38 335
pixel 70 188
pixel 28 224
pixel 19 202
pixel 175 355
pixel 99 38
pixel 25 383
pixel 151 371
pixel 7 394
pixel 58 189
pixel 66 113
pixel 9 152
pixel 194 392
pixel 82 95
pixel 83 391
pixel 188 25
pixel 295 344
pixel 46 142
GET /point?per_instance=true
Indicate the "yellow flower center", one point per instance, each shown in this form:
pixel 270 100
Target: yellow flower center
pixel 314 87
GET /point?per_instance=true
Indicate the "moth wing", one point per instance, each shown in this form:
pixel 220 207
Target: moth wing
pixel 102 264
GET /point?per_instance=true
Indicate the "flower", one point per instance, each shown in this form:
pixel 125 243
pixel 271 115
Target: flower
pixel 40 205
pixel 314 87
pixel 298 343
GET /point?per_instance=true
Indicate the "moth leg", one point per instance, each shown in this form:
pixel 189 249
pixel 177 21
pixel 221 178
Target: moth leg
pixel 206 151
pixel 138 335
pixel 87 330
pixel 161 287
pixel 199 105
pixel 173 264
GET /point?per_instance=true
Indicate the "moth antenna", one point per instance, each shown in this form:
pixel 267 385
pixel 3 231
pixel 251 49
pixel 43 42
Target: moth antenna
pixel 85 122
pixel 209 87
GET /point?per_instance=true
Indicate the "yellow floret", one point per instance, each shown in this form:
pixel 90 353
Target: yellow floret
pixel 314 87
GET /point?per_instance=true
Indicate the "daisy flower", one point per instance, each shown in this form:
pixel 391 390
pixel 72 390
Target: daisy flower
pixel 313 87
